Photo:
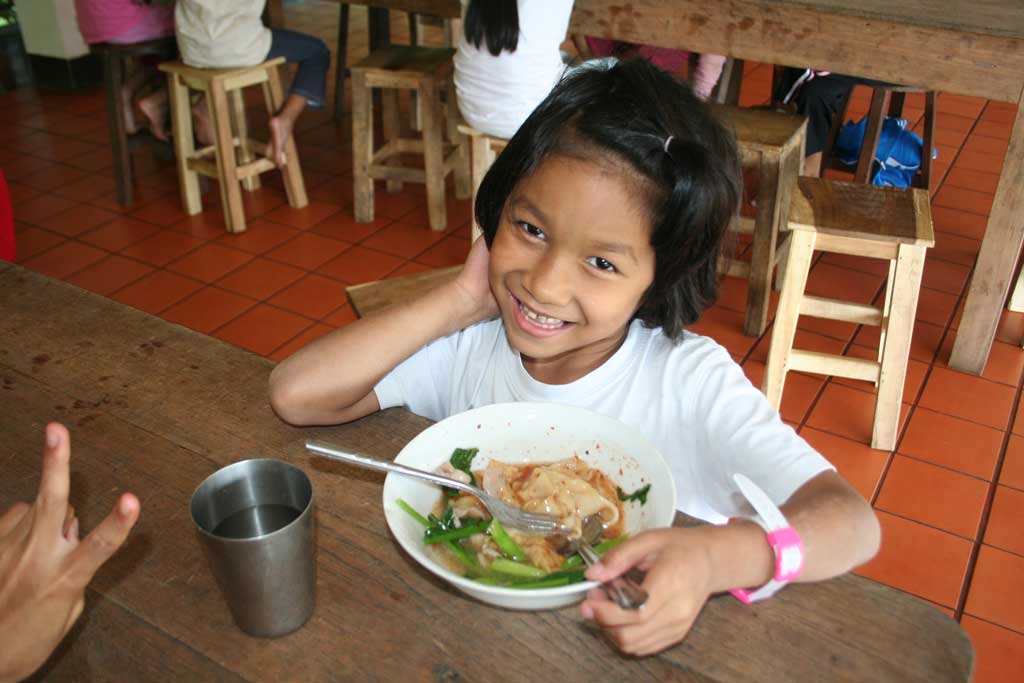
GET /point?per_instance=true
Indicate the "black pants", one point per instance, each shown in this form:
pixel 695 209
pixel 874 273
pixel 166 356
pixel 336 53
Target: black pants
pixel 819 99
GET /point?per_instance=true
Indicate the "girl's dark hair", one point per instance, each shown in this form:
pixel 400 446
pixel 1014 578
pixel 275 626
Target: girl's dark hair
pixel 495 22
pixel 652 127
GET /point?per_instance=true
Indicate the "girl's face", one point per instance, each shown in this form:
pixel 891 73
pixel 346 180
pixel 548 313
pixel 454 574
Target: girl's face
pixel 569 265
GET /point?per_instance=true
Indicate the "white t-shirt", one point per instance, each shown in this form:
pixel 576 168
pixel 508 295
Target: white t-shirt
pixel 496 94
pixel 691 400
pixel 218 34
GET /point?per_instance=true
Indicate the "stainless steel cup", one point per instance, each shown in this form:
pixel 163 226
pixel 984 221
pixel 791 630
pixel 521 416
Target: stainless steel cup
pixel 256 520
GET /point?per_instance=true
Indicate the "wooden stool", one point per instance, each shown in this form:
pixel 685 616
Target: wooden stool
pixel 483 150
pixel 426 71
pixel 115 58
pixel 884 101
pixel 773 143
pixel 861 220
pixel 219 86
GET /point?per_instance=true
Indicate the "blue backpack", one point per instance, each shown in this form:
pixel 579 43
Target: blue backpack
pixel 897 158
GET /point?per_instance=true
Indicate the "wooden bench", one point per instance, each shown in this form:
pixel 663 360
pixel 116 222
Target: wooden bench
pixel 772 143
pixel 860 220
pixel 223 91
pixel 426 71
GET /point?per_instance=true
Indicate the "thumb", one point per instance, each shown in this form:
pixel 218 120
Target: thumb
pixel 626 555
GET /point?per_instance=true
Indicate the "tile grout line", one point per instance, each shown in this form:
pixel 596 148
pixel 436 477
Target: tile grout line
pixel 987 509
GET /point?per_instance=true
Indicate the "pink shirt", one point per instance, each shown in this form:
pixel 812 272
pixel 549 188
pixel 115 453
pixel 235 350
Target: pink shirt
pixel 123 21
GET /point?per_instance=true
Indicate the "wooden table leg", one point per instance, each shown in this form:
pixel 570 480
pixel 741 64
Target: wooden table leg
pixel 993 270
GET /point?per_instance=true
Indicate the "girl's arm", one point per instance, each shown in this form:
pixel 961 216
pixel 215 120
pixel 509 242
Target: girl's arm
pixel 685 566
pixel 332 379
pixel 838 528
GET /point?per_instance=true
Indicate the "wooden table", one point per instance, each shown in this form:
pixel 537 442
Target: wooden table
pixel 154 408
pixel 956 46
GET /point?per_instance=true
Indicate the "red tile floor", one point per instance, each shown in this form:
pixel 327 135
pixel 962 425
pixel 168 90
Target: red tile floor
pixel 950 497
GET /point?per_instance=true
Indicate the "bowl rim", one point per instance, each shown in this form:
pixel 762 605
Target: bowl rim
pixel 474 414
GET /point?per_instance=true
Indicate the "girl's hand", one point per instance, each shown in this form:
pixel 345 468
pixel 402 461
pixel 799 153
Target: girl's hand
pixel 678 582
pixel 475 300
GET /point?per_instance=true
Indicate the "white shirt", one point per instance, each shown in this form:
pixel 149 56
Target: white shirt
pixel 691 400
pixel 217 34
pixel 496 94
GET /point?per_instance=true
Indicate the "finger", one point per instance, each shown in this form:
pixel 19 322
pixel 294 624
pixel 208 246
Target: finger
pixel 55 480
pixel 12 517
pixel 607 614
pixel 624 556
pixel 98 546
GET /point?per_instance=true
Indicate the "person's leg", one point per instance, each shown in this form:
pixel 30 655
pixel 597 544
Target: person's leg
pixel 131 85
pixel 309 88
pixel 203 125
pixel 154 107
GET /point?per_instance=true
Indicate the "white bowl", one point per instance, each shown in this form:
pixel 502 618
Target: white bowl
pixel 528 432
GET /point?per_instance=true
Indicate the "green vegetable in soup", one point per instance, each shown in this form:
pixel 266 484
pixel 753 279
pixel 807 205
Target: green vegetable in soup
pixel 505 566
pixel 576 561
pixel 461 459
pixel 505 543
pixel 640 494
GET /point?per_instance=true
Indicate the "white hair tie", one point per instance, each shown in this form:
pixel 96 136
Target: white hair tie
pixel 668 141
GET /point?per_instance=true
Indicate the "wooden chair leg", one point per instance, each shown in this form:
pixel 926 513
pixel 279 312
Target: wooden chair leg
pixel 230 192
pixel 240 126
pixel 391 129
pixel 893 372
pixel 118 133
pixel 924 175
pixel 294 185
pixel 872 134
pixel 762 258
pixel 480 158
pixel 798 264
pixel 340 70
pixel 886 310
pixel 184 144
pixel 362 148
pixel 433 155
pixel 463 174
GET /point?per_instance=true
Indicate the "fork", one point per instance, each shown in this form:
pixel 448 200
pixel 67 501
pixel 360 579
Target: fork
pixel 625 590
pixel 509 516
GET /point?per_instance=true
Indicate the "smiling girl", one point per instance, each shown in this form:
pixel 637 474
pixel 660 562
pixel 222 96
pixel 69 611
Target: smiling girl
pixel 603 220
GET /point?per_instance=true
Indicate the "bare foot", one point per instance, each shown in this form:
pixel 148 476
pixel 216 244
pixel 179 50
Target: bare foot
pixel 155 110
pixel 280 131
pixel 203 128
